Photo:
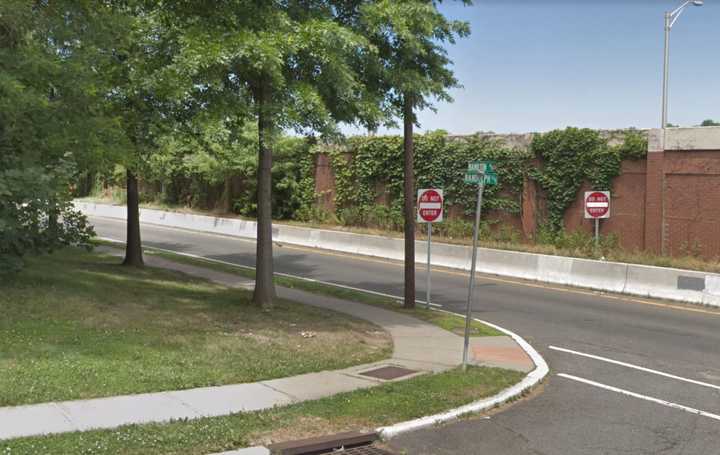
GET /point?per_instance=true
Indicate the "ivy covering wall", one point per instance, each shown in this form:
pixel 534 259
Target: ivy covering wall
pixel 568 158
pixel 369 175
pixel 371 168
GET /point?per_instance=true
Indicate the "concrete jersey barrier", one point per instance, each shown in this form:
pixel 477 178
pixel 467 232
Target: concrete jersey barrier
pixel 648 281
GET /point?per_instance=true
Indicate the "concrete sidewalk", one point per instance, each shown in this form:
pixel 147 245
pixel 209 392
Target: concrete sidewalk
pixel 418 346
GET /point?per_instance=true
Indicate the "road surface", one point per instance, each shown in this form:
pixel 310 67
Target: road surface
pixel 628 376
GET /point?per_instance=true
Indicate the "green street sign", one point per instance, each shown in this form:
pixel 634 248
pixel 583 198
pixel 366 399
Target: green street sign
pixel 481 167
pixel 474 167
pixel 475 179
pixel 491 179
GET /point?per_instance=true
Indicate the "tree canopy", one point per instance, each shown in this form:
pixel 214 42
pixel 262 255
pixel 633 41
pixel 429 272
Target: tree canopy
pixel 136 83
pixel 52 120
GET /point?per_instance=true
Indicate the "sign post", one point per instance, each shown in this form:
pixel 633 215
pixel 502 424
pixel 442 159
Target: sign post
pixel 430 210
pixel 597 206
pixel 479 173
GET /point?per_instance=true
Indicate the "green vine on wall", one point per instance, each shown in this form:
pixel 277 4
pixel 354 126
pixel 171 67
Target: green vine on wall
pixel 570 157
pixel 370 169
pixel 367 167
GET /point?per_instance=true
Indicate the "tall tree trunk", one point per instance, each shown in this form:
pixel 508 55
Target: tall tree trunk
pixel 133 245
pixel 409 192
pixel 264 287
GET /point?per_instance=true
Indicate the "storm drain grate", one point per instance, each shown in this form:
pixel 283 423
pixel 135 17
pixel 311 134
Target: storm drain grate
pixel 388 373
pixel 364 450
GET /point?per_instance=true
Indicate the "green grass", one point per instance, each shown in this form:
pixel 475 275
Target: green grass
pixel 364 409
pixel 76 325
pixel 451 322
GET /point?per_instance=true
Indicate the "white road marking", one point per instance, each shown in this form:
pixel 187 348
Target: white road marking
pixel 636 367
pixel 642 397
pixel 626 299
pixel 287 275
pixel 176 229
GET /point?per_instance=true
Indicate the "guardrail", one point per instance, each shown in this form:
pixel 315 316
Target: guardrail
pixel 648 281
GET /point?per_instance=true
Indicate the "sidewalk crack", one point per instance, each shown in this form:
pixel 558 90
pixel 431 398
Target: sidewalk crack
pixel 65 414
pixel 292 397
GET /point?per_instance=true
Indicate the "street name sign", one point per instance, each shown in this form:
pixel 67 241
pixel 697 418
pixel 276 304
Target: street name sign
pixel 481 172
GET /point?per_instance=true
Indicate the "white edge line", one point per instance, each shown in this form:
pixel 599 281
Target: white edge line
pixel 531 379
pixel 642 397
pixel 635 367
pixel 286 275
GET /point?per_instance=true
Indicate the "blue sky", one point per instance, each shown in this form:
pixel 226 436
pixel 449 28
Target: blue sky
pixel 536 65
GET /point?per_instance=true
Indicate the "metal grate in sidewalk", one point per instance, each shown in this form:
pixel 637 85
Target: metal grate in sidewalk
pixel 363 450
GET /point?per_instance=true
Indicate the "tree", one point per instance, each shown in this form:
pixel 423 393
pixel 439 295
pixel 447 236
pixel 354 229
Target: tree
pixel 290 63
pixel 51 121
pixel 414 69
pixel 146 102
pixel 710 122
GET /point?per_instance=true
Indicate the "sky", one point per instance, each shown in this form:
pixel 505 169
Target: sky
pixel 537 65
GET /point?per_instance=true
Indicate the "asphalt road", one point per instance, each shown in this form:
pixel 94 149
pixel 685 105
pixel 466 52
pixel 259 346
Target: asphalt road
pixel 663 398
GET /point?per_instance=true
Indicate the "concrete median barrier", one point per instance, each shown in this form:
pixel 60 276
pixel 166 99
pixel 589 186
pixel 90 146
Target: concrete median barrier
pixel 604 276
pixel 554 269
pixel 647 281
pixel 508 263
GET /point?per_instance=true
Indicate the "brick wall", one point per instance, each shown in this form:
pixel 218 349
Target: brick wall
pixel 691 192
pixel 668 203
pixel 683 192
pixel 627 207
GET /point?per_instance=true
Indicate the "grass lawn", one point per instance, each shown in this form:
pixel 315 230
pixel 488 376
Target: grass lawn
pixel 77 325
pixel 364 409
pixel 451 322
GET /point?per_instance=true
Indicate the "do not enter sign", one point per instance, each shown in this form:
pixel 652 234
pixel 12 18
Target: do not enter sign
pixel 597 204
pixel 430 206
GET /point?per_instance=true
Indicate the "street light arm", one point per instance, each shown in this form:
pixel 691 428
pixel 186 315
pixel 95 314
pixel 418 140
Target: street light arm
pixel 676 13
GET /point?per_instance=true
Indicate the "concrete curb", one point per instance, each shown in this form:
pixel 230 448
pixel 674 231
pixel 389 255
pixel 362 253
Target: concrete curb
pixel 531 380
pixel 641 280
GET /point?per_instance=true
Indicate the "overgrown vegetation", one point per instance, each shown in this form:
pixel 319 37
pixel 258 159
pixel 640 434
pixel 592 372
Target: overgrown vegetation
pixel 370 169
pixel 571 157
pixel 76 325
pixel 363 409
pixel 49 122
pixel 369 181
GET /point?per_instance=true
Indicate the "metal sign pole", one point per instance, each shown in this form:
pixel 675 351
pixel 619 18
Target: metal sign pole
pixel 429 247
pixel 597 233
pixel 468 313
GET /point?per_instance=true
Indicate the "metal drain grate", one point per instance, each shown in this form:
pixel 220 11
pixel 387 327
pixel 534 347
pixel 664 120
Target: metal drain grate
pixel 388 373
pixel 364 450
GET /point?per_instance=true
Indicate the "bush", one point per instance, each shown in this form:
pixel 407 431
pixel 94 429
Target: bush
pixel 36 215
pixel 578 243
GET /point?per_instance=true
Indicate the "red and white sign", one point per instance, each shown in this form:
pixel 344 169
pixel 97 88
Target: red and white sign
pixel 597 204
pixel 430 206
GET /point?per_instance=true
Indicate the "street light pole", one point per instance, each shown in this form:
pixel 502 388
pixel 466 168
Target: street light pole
pixel 666 63
pixel 670 19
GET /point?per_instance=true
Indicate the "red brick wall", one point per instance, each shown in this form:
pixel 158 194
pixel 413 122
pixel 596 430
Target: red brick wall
pixel 654 203
pixel 627 207
pixel 668 203
pixel 324 182
pixel 691 193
